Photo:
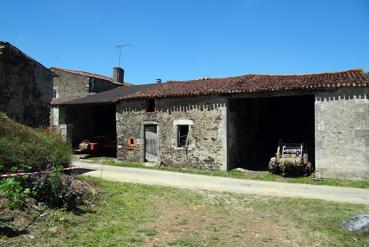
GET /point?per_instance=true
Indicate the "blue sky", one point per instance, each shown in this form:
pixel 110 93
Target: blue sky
pixel 188 39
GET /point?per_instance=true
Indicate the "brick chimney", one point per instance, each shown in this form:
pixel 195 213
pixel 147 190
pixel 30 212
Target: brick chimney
pixel 118 74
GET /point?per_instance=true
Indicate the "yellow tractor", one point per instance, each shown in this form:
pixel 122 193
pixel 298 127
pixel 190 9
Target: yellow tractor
pixel 291 159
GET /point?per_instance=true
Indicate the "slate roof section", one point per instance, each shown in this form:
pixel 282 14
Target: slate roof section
pixel 251 83
pixel 107 97
pixel 62 100
pixel 87 74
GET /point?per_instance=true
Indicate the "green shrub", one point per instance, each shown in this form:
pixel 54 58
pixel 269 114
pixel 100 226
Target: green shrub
pixel 57 189
pixel 20 144
pixel 13 192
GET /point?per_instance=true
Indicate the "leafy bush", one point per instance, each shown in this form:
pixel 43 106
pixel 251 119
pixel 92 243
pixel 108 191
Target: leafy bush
pixel 57 190
pixel 22 146
pixel 13 192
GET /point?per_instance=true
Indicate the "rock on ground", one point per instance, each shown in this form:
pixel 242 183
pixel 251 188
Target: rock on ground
pixel 358 224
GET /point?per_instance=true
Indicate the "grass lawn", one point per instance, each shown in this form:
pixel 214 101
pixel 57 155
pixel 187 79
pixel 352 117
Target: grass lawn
pixel 140 215
pixel 258 175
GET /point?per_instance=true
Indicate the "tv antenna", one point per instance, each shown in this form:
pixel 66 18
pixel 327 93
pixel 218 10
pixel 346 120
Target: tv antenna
pixel 120 46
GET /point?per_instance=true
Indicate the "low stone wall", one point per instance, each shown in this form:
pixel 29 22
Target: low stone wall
pixel 207 137
pixel 342 134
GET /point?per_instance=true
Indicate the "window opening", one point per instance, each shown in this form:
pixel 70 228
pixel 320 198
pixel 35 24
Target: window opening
pixel 55 93
pixel 182 135
pixel 132 143
pixel 150 105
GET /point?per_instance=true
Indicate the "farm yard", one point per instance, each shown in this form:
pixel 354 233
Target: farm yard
pixel 184 123
pixel 141 215
pixel 54 208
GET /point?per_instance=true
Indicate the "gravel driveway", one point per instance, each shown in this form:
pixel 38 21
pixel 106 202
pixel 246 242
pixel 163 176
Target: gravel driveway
pixel 222 184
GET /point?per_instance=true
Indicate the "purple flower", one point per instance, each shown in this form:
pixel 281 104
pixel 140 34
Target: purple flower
pixel 49 167
pixel 20 170
pixel 69 180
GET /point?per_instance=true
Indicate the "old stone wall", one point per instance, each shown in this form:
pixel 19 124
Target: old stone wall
pixel 73 85
pixel 25 87
pixel 342 134
pixel 70 85
pixel 207 143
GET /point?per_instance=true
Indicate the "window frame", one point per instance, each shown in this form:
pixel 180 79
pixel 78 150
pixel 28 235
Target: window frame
pixel 132 143
pixel 180 137
pixel 175 135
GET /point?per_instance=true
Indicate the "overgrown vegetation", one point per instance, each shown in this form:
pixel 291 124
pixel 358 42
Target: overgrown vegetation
pixel 258 175
pixel 29 149
pixel 23 149
pixel 55 189
pixel 13 192
pixel 141 215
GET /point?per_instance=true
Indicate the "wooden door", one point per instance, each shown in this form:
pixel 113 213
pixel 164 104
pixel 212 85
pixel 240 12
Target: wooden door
pixel 151 143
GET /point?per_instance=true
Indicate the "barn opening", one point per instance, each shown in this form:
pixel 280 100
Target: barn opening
pixel 257 125
pixel 95 126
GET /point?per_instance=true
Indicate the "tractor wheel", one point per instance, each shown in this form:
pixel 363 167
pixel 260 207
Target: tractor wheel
pixel 284 171
pixel 271 166
pixel 308 169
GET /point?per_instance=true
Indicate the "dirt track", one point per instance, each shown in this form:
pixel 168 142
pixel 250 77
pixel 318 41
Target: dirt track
pixel 222 184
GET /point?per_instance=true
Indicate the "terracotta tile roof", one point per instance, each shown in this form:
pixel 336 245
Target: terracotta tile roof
pixel 251 83
pixel 255 83
pixel 87 74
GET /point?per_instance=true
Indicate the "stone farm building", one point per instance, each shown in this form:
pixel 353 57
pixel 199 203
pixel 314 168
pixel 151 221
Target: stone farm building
pixel 27 87
pixel 224 123
pixel 218 123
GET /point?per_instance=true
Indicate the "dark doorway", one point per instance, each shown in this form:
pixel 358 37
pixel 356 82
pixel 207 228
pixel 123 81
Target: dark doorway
pixel 96 125
pixel 256 125
pixel 104 119
pixel 105 129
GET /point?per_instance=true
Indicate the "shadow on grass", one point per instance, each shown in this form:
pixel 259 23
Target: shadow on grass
pixel 11 232
pixel 78 211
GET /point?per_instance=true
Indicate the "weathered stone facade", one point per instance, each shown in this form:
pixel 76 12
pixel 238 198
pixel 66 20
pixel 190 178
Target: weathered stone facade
pixel 342 134
pixel 206 117
pixel 67 85
pixel 25 87
pixel 70 85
